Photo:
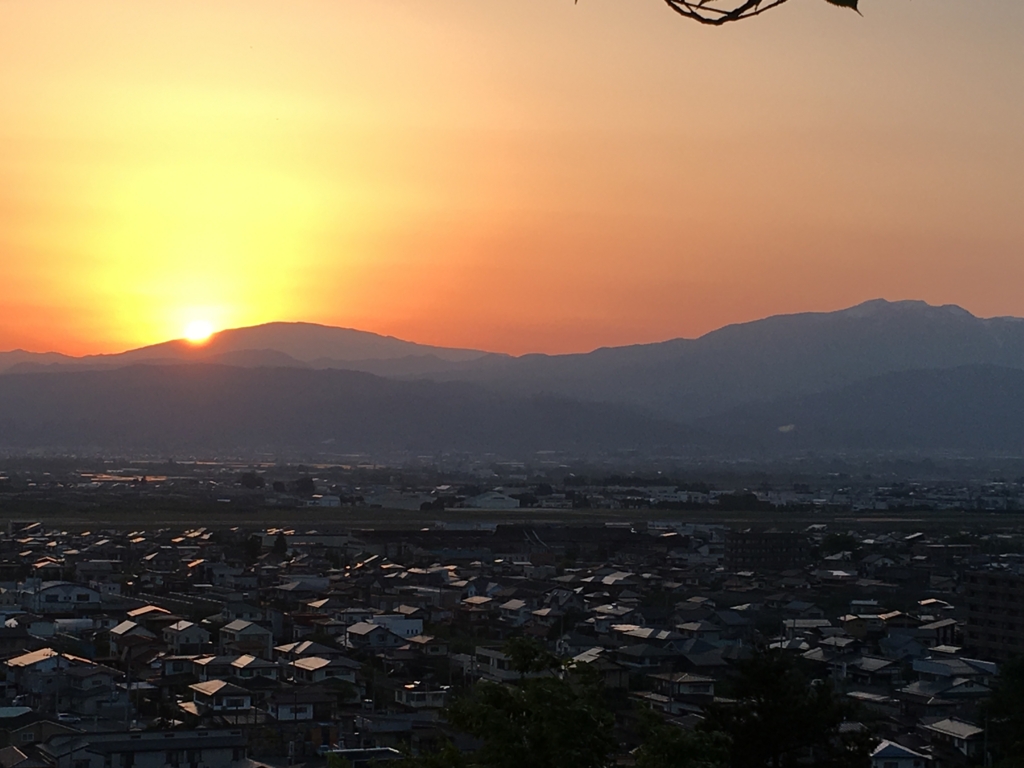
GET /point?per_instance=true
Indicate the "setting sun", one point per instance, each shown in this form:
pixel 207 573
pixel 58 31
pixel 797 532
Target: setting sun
pixel 198 331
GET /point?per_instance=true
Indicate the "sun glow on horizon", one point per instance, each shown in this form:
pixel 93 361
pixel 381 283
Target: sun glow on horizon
pixel 198 331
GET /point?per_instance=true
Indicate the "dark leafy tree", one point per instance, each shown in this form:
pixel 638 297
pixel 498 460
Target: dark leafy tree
pixel 552 717
pixel 446 756
pixel 669 746
pixel 305 486
pixel 253 548
pixel 839 542
pixel 280 545
pixel 1004 716
pixel 778 720
pixel 251 481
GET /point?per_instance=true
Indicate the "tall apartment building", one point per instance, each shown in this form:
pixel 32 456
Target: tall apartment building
pixel 764 550
pixel 995 614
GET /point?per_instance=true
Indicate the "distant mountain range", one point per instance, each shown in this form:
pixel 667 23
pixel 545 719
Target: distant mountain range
pixel 881 376
pixel 289 345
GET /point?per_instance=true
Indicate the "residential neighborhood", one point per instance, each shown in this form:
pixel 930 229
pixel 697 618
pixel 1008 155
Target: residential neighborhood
pixel 231 646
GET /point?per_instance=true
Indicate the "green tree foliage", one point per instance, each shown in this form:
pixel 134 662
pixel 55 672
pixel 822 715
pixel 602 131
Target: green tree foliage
pixel 1004 716
pixel 778 720
pixel 839 542
pixel 253 548
pixel 553 717
pixel 251 481
pixel 668 746
pixel 281 545
pixel 448 756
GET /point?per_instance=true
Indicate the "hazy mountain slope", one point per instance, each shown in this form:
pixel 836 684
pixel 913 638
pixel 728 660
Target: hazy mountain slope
pixel 971 409
pixel 302 343
pixel 188 409
pixel 308 342
pixel 766 359
pixel 679 380
pixel 19 357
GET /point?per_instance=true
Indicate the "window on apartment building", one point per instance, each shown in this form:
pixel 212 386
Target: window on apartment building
pixel 82 597
pixel 28 737
pixel 174 757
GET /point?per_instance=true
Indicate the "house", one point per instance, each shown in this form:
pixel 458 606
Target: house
pixel 147 749
pixel 684 687
pixel 89 687
pixel 889 754
pixel 428 645
pixel 297 650
pixel 50 597
pixel 314 669
pixel 22 726
pixel 213 667
pixel 12 757
pixel 700 630
pixel 249 666
pixel 399 624
pixel 219 696
pixel 138 614
pixel 233 611
pixel 303 703
pixel 493 665
pixel 243 637
pixel 418 695
pixel 953 733
pixel 184 637
pixel 38 672
pixel 365 635
pixel 514 612
pixel 613 675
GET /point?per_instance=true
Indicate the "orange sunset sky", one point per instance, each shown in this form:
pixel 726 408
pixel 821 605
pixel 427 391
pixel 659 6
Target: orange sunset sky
pixel 528 175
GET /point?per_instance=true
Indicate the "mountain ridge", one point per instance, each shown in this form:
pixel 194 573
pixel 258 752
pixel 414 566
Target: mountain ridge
pixel 713 384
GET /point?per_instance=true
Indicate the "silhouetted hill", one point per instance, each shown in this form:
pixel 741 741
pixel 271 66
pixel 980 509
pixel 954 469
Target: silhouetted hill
pixel 272 344
pixel 971 409
pixel 200 408
pixel 878 376
pixel 766 359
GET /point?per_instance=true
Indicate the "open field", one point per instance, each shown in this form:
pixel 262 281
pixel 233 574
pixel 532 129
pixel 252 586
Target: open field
pixel 226 515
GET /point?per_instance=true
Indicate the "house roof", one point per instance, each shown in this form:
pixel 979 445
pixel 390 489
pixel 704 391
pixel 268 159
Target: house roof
pixel 303 648
pixel 124 627
pixel 28 659
pixel 223 687
pixel 891 750
pixel 246 661
pixel 241 625
pixel 89 670
pixel 958 729
pixel 421 639
pixel 364 628
pixel 311 663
